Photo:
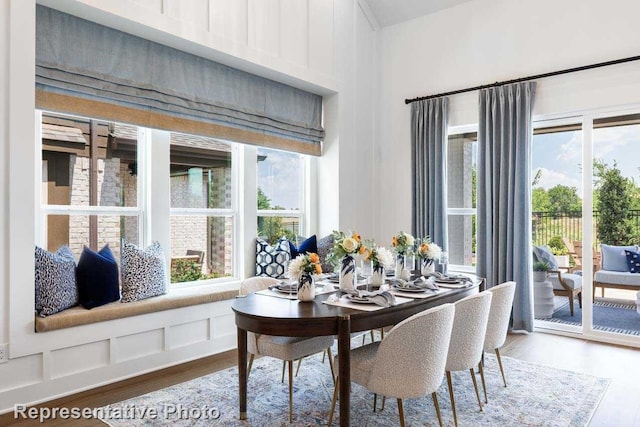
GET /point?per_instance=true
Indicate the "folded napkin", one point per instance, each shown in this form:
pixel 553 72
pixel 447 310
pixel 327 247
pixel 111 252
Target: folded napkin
pixel 381 298
pixel 417 284
pixel 285 287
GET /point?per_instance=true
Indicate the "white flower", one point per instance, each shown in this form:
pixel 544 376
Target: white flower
pixel 410 239
pixel 385 257
pixel 434 251
pixel 350 245
pixel 295 266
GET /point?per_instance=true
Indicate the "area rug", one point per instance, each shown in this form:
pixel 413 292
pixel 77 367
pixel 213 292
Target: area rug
pixel 536 396
pixel 607 316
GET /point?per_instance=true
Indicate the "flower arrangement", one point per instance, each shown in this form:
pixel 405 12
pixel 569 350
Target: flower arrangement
pixel 403 243
pixel 345 244
pixel 428 250
pixel 305 263
pixel 380 257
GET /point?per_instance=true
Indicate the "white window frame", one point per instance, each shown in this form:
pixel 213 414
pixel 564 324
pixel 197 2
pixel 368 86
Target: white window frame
pixel 456 130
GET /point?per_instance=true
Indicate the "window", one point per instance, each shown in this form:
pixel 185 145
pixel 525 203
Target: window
pixel 202 208
pixel 461 194
pixel 280 186
pixel 89 184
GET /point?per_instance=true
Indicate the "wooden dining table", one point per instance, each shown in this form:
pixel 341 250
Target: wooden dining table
pixel 285 317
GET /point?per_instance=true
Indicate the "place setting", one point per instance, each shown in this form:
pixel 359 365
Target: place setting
pixel 365 300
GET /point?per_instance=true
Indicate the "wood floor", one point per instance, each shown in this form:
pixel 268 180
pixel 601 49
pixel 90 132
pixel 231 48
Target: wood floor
pixel 620 406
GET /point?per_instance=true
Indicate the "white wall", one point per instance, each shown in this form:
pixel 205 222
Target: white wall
pixel 484 41
pixel 310 44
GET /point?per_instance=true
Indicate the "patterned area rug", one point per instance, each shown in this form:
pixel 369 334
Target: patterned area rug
pixel 536 396
pixel 607 316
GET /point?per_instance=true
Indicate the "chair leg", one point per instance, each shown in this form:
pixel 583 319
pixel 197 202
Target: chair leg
pixel 475 387
pixel 484 384
pixel 330 356
pixel 323 354
pixel 571 303
pixel 401 412
pixel 453 400
pixel 298 368
pixel 504 379
pixel 251 357
pixel 580 298
pixel 290 391
pixel 373 335
pixel 333 404
pixel 284 367
pixel 384 399
pixel 363 337
pixel 434 396
pixel 375 401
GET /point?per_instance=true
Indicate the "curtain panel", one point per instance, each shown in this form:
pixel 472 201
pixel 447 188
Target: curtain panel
pixel 132 79
pixel 504 193
pixel 429 120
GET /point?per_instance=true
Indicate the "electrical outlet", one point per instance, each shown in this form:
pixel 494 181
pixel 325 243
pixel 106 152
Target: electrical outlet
pixel 4 353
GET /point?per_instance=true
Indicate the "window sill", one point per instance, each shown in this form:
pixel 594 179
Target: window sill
pixel 174 298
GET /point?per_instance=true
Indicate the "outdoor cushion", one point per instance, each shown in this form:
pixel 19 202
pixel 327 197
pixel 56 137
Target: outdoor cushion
pixel 614 257
pixel 633 261
pixel 617 277
pixel 544 254
pixel 572 280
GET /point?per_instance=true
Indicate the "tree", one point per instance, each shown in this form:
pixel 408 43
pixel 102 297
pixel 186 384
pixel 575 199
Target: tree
pixel 540 200
pixel 614 202
pixel 270 227
pixel 564 199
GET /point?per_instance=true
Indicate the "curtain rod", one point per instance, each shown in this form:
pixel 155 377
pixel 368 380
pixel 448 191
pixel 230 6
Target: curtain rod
pixel 524 79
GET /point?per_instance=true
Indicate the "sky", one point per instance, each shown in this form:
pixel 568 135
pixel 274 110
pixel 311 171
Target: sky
pixel 559 155
pixel 280 177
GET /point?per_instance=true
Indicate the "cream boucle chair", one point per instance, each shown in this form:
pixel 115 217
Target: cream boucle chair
pixel 286 349
pixel 499 316
pixel 408 363
pixel 467 340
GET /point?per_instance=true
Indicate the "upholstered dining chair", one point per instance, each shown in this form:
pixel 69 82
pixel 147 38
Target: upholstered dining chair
pixel 408 363
pixel 286 349
pixel 467 341
pixel 498 324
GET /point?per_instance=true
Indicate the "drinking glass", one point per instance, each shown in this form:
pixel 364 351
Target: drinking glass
pixel 367 272
pixel 444 261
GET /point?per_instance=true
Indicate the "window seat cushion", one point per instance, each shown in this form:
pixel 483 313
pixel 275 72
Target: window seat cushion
pixel 175 298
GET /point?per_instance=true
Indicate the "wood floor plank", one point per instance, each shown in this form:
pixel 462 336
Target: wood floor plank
pixel 620 406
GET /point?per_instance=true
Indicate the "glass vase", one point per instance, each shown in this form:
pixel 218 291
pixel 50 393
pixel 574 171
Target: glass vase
pixel 377 276
pixel 427 266
pixel 399 266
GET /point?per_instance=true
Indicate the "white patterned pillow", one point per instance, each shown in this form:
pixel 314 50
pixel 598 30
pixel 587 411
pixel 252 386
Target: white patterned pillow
pixel 143 272
pixel 55 282
pixel 272 261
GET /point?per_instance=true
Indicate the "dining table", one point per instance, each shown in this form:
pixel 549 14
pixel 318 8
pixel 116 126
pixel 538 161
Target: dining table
pixel 265 314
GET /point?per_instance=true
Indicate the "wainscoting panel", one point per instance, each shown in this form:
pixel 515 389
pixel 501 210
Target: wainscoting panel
pixel 139 345
pixel 80 358
pixel 188 333
pixel 21 372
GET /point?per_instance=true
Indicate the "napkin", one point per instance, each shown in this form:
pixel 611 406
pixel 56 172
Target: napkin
pixel 286 287
pixel 419 283
pixel 383 298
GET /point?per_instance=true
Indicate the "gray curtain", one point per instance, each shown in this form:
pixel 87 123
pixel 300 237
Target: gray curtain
pixel 429 120
pixel 504 193
pixel 87 60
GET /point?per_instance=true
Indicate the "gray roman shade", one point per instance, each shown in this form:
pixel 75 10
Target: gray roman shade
pixel 92 70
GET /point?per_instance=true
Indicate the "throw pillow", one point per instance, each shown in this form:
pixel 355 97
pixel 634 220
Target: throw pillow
pixel 614 257
pixel 55 281
pixel 271 261
pixel 97 276
pixel 544 254
pixel 324 247
pixel 304 246
pixel 143 272
pixel 633 261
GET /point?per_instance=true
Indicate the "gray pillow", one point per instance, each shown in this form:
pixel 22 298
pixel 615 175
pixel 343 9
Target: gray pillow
pixel 544 254
pixel 614 258
pixel 55 281
pixel 143 272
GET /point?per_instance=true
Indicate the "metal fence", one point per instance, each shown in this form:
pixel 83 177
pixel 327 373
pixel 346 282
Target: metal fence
pixel 547 225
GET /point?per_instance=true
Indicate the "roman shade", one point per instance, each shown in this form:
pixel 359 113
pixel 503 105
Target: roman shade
pixel 88 69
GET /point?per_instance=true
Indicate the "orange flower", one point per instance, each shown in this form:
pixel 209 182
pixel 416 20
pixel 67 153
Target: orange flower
pixel 362 249
pixel 318 269
pixel 424 248
pixel 394 241
pixel 314 258
pixel 356 236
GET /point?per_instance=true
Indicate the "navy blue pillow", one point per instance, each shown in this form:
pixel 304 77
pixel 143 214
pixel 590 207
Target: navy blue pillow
pixel 633 261
pixel 97 278
pixel 309 245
